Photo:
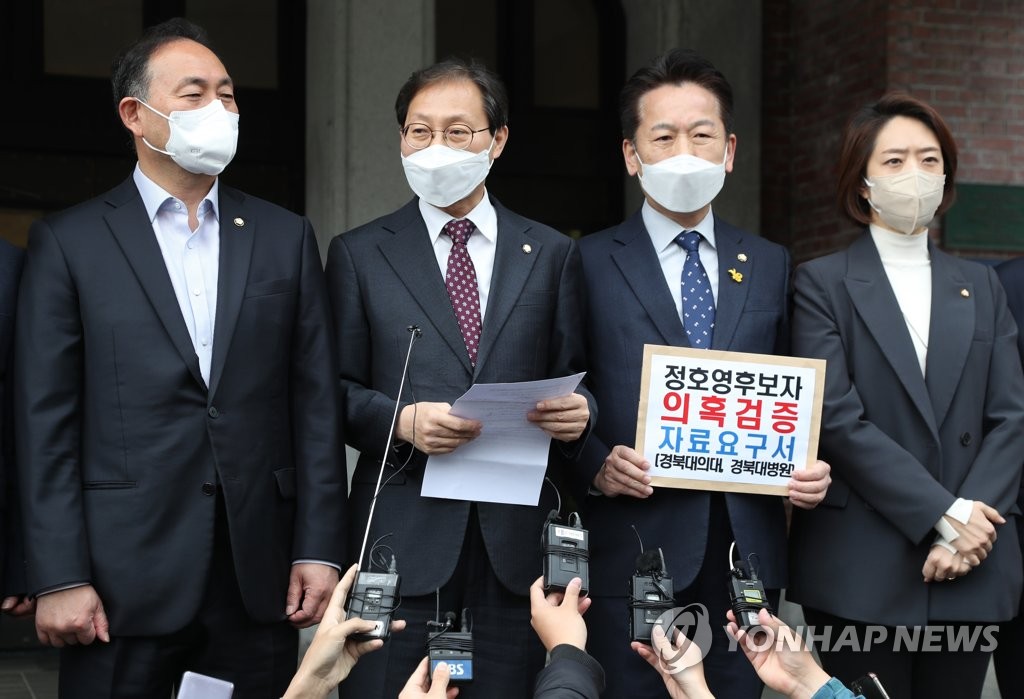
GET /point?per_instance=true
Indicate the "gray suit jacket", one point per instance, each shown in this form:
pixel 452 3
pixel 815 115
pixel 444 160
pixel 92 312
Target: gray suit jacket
pixel 904 447
pixel 383 277
pixel 629 305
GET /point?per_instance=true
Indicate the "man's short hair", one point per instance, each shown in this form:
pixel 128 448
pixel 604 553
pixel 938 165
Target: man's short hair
pixel 676 67
pixel 130 72
pixel 451 70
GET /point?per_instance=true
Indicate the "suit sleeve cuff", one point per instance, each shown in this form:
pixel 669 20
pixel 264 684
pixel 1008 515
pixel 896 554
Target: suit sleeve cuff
pixel 61 588
pixel 314 560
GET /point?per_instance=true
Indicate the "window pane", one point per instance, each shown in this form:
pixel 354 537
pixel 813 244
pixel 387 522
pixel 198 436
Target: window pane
pixel 566 58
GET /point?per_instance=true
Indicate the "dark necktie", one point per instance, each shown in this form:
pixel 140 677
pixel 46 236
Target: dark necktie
pixel 698 301
pixel 462 286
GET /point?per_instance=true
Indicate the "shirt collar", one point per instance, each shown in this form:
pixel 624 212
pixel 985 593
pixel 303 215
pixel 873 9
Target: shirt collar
pixel 483 216
pixel 154 196
pixel 663 230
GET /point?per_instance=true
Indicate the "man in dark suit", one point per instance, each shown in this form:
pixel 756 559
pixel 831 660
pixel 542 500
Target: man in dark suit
pixel 516 283
pixel 678 138
pixel 12 557
pixel 1011 634
pixel 178 447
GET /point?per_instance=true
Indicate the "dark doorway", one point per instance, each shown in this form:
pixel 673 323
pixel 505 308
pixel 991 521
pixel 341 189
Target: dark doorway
pixel 563 62
pixel 60 138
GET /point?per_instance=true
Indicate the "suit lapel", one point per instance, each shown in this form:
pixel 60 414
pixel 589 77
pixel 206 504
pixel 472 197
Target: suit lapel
pixel 512 267
pixel 232 272
pixel 638 262
pixel 410 255
pixel 731 296
pixel 952 324
pixel 876 305
pixel 133 231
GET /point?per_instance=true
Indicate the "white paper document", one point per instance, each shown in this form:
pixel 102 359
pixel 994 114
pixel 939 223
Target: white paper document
pixel 506 463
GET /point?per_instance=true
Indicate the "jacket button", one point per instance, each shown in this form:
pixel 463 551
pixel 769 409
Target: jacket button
pixel 209 489
pixel 966 438
pixel 213 412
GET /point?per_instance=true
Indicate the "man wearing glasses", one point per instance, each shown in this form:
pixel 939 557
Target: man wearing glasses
pixel 497 298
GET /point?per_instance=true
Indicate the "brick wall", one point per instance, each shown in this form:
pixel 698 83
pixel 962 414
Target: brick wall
pixel 825 58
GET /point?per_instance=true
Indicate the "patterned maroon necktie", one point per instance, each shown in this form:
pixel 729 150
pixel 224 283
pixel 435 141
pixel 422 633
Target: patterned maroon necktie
pixel 462 287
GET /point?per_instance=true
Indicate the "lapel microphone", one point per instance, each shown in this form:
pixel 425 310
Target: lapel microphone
pixel 375 596
pixel 651 593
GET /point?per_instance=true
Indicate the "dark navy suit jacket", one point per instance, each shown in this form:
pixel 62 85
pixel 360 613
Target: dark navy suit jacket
pixel 383 277
pixel 629 305
pixel 1011 274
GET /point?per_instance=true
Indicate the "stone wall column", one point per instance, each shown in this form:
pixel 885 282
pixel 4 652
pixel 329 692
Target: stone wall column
pixel 358 54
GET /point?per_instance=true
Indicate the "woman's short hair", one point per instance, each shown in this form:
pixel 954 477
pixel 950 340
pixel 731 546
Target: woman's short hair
pixel 859 143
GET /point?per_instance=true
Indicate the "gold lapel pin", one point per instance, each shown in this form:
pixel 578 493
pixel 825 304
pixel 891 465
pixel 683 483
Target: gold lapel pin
pixel 965 293
pixel 736 276
pixel 239 221
pixel 527 248
pixel 742 257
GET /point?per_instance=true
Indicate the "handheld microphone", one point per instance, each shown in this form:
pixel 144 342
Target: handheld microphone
pixel 566 553
pixel 651 593
pixel 374 596
pixel 454 648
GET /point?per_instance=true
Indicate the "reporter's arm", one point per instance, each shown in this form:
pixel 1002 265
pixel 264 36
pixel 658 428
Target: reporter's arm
pixel 332 654
pixel 557 618
pixel 783 662
pixel 571 674
pixel 683 674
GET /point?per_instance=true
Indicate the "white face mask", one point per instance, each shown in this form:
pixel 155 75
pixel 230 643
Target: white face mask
pixel 683 183
pixel 441 176
pixel 907 201
pixel 202 141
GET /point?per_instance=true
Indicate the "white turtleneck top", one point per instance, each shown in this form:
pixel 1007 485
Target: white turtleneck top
pixel 909 270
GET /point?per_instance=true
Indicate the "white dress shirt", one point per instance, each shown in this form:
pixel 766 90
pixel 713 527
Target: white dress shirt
pixel 672 256
pixel 191 258
pixel 482 244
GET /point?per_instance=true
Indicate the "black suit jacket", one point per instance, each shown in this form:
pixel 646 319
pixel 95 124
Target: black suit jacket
pixel 11 556
pixel 383 277
pixel 904 446
pixel 121 440
pixel 571 674
pixel 1011 274
pixel 629 305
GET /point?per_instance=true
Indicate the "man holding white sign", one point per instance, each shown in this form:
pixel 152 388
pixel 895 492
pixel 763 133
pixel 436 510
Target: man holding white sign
pixel 673 274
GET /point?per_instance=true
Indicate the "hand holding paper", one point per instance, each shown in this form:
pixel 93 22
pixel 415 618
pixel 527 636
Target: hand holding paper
pixel 562 418
pixel 507 461
pixel 431 428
